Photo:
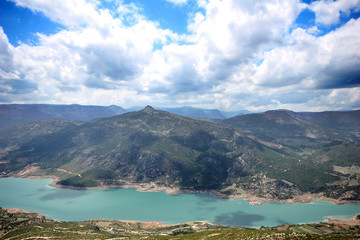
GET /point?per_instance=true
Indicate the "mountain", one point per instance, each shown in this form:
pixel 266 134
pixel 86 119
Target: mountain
pixel 147 145
pixel 18 113
pixel 195 112
pixel 315 148
pixel 230 114
pixel 345 120
pixel 284 123
pixel 201 113
pixel 116 109
pixel 277 154
pixel 21 113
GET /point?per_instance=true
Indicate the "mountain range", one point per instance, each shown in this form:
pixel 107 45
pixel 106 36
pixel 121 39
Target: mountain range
pixel 277 154
pixel 18 113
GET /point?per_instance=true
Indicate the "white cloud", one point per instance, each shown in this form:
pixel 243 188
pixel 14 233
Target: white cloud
pixel 227 37
pixel 177 1
pixel 308 62
pixel 11 81
pixel 101 60
pixel 90 56
pixel 67 12
pixel 6 49
pixel 233 32
pixel 328 11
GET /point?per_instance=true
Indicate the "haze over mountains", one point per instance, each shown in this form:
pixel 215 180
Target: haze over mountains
pixel 276 154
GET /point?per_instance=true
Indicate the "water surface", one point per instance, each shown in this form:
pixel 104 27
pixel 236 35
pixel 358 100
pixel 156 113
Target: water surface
pixel 128 204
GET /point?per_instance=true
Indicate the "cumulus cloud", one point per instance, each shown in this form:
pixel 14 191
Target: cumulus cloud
pixel 177 1
pixel 236 55
pixel 11 80
pixel 231 33
pixel 329 11
pixel 314 62
pixel 67 12
pixel 89 56
pixel 223 39
pixel 6 61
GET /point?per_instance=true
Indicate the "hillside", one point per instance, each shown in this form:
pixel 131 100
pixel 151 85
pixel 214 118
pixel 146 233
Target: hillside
pixel 273 155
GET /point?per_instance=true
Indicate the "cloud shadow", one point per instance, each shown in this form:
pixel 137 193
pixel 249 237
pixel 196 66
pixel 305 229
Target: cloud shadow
pixel 62 194
pixel 238 219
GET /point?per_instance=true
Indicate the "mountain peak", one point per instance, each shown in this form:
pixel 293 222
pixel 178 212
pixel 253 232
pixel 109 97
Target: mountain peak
pixel 148 109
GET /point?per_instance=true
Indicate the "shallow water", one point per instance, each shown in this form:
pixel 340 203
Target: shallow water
pixel 128 204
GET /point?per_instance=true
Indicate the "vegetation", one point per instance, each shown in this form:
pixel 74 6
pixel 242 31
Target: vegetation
pixel 77 181
pixel 276 154
pixel 30 225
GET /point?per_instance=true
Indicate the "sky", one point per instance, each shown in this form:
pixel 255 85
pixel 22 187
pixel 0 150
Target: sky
pixel 225 54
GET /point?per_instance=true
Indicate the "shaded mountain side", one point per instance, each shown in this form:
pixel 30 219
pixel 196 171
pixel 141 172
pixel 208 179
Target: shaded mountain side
pixel 277 154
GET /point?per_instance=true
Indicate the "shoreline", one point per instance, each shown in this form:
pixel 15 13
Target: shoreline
pixel 352 221
pixel 152 187
pixel 36 226
pixel 144 224
pixel 251 198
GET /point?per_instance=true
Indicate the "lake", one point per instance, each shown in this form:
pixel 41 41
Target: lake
pixel 129 204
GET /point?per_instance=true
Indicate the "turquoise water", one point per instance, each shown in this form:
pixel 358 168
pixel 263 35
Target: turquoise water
pixel 128 204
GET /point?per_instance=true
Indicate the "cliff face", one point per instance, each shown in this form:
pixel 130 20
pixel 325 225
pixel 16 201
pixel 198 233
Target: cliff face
pixel 275 154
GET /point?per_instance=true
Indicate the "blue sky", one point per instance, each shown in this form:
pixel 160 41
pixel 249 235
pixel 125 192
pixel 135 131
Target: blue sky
pixel 225 54
pixel 22 24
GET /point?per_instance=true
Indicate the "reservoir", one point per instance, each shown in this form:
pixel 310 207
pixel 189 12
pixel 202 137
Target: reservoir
pixel 129 204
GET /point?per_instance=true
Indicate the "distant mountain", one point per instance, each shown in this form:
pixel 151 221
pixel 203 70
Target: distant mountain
pixel 134 108
pixel 195 112
pixel 21 113
pixel 343 120
pixel 277 154
pixel 18 113
pixel 117 109
pixel 313 125
pixel 235 113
